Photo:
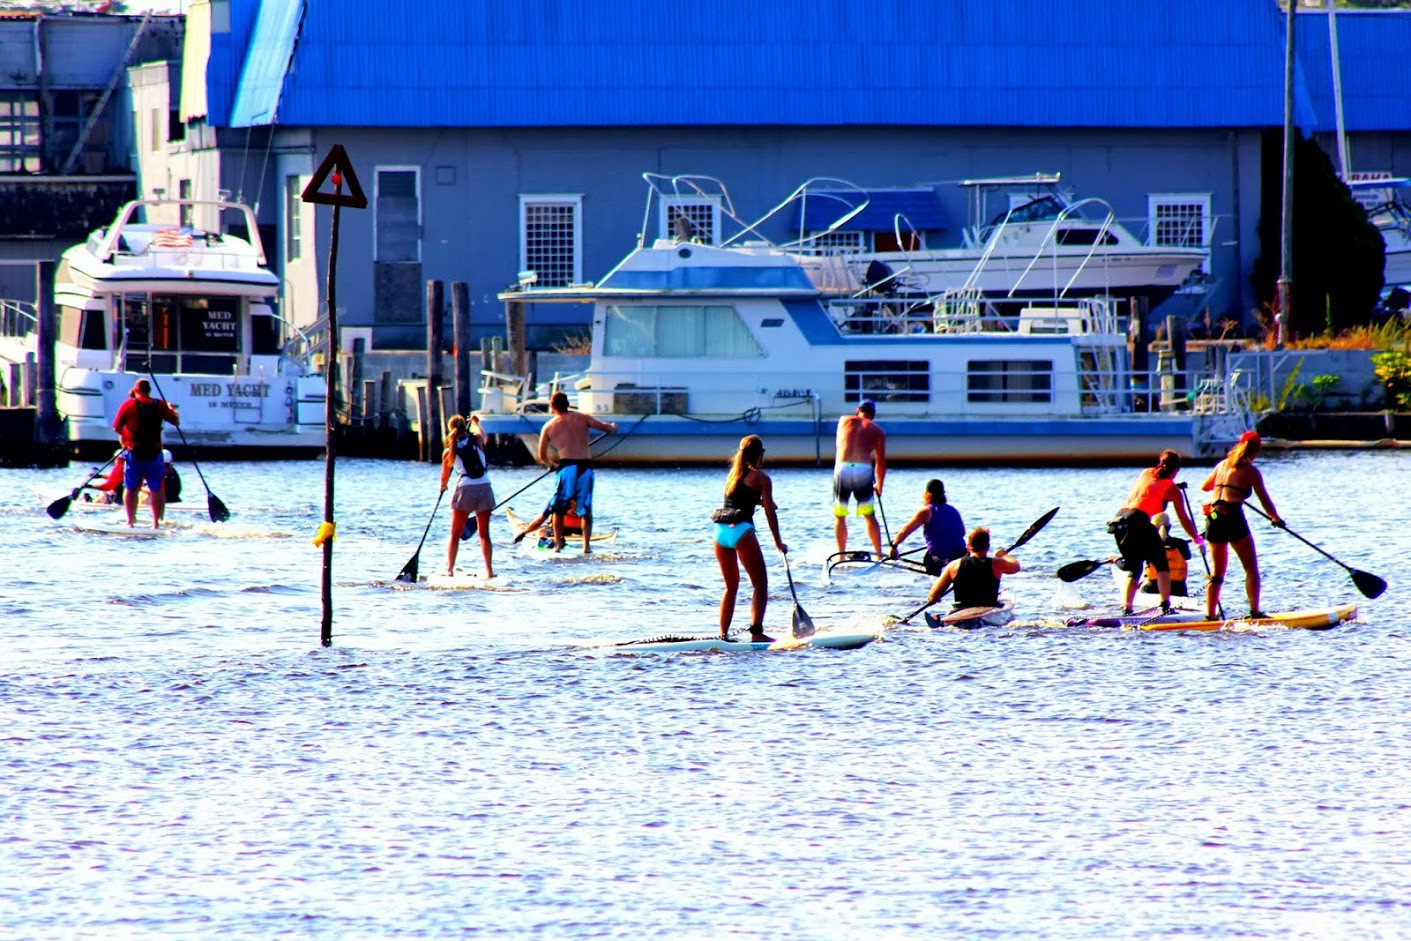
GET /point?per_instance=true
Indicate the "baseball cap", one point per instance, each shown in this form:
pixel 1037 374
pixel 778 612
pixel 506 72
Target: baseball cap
pixel 868 406
pixel 1251 436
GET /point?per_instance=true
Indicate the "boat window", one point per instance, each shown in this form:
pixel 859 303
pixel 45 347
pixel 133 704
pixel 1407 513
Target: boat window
pixel 887 380
pixel 264 335
pixel 684 331
pixel 1085 235
pixel 1009 380
pixel 89 323
pixel 1043 209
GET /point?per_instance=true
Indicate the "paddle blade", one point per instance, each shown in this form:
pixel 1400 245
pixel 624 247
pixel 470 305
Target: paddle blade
pixel 1076 570
pixel 409 571
pixel 803 624
pixel 1367 583
pixel 1034 528
pixel 219 514
pixel 61 506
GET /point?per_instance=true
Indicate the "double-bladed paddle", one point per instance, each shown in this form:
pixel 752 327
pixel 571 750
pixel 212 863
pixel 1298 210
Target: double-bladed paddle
pixel 61 506
pixel 1080 569
pixel 214 506
pixel 409 571
pixel 1367 583
pixel 1028 534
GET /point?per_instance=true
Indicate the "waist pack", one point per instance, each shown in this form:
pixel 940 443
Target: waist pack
pixel 729 515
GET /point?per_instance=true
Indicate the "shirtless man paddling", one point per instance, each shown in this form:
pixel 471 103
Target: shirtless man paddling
pixel 861 466
pixel 567 434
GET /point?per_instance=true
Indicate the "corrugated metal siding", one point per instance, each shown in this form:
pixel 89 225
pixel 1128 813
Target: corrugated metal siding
pixel 477 63
pixel 1373 49
pixel 228 53
pixel 257 97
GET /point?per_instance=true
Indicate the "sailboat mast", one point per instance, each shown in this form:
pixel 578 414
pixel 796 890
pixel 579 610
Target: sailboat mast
pixel 1344 164
pixel 1283 301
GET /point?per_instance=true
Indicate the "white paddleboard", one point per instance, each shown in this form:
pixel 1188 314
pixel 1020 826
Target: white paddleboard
pixel 140 531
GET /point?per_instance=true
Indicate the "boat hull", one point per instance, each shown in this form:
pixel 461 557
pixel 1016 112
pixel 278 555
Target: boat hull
pixel 673 440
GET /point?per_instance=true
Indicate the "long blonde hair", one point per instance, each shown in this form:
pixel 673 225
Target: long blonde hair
pixel 456 430
pixel 746 459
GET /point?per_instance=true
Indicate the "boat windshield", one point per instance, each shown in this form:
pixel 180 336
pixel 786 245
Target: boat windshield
pixel 1043 209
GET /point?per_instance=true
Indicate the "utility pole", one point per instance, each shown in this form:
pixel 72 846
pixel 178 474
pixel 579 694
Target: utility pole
pixel 1283 300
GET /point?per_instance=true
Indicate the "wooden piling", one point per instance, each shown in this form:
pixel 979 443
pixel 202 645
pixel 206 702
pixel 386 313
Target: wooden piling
pixel 355 383
pixel 50 436
pixel 514 338
pixel 460 327
pixel 435 313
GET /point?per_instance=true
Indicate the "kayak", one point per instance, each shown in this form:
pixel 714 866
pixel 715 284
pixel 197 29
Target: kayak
pixel 1308 619
pixel 966 619
pixel 544 541
pixel 826 641
pixel 867 560
pixel 1144 600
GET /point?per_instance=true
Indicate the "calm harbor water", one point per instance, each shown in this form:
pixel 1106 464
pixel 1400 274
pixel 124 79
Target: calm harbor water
pixel 182 759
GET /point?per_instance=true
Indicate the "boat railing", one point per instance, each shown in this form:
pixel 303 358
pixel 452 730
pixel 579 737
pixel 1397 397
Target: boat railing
pixel 969 310
pixel 18 318
pixel 502 393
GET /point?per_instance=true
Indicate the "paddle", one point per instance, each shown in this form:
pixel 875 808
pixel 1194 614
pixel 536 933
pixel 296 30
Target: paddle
pixel 1080 569
pixel 1028 534
pixel 1219 606
pixel 1367 583
pixel 409 571
pixel 217 510
pixel 802 624
pixel 61 506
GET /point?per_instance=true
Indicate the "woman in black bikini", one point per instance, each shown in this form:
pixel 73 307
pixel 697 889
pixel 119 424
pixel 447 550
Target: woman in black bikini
pixel 736 544
pixel 1231 483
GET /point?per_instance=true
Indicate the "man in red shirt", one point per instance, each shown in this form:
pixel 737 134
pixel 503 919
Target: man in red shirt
pixel 139 426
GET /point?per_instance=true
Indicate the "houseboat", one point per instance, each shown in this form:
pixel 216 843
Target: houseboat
pixel 695 345
pixel 194 311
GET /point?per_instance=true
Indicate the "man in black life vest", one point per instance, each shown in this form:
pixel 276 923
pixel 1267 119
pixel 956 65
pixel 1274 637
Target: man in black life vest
pixel 976 575
pixel 139 426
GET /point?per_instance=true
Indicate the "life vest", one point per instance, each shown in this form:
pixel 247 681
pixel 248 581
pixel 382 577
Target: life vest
pixel 976 584
pixel 147 436
pixel 471 457
pixel 1175 564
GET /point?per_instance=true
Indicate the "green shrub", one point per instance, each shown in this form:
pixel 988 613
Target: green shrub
pixel 1393 368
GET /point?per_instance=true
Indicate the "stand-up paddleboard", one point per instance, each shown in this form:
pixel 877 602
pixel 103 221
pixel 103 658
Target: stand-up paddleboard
pixel 546 533
pixel 970 618
pixel 140 531
pixel 1308 619
pixel 463 580
pixel 687 644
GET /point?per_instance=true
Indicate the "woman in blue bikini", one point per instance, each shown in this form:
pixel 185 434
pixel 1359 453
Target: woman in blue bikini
pixel 746 487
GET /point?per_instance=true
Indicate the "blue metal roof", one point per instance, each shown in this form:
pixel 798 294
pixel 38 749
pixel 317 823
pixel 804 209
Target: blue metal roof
pixel 538 63
pixel 920 207
pixel 1372 53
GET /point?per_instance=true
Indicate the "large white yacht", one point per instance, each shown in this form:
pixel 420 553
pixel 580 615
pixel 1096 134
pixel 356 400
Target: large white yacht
pixel 194 311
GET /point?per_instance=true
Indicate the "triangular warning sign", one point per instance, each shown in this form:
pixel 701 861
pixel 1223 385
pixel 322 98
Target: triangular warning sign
pixel 337 164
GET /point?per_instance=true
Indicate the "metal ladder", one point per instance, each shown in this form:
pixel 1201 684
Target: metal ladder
pixel 102 102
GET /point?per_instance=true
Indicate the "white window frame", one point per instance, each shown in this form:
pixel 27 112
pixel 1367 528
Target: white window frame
pixel 1156 201
pixel 293 218
pixel 668 230
pixel 573 200
pixel 415 170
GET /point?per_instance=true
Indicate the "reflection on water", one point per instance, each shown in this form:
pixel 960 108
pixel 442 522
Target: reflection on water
pixel 182 759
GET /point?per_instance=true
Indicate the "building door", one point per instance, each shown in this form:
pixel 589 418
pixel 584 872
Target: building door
pixel 398 294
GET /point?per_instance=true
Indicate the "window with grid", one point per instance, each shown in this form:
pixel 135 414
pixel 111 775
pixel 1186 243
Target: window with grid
pixel 831 243
pixel 19 134
pixel 1012 380
pixel 550 231
pixel 690 219
pixel 293 231
pixel 886 380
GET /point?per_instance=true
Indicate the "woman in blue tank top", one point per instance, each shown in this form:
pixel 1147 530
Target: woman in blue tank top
pixel 940 525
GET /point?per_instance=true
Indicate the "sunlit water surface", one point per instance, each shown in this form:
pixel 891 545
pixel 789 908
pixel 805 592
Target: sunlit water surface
pixel 183 759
